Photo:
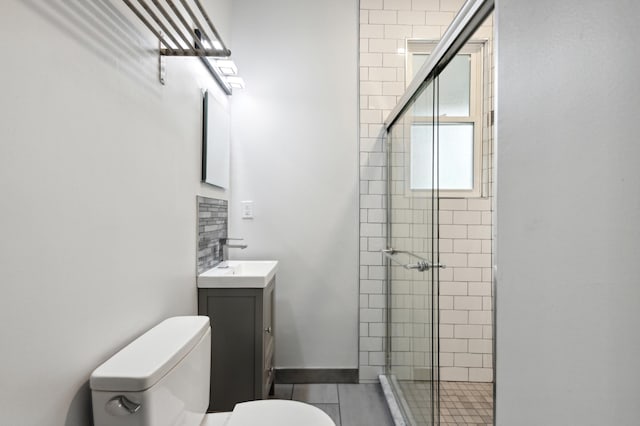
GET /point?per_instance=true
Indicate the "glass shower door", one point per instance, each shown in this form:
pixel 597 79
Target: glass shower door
pixel 413 267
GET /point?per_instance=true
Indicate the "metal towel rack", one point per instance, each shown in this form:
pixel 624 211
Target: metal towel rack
pixel 207 43
pixel 182 30
pixel 421 265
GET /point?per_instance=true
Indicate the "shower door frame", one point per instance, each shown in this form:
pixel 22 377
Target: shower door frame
pixel 466 22
pixel 401 410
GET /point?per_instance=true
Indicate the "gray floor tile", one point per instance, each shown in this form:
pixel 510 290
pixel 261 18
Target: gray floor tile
pixel 282 391
pixel 333 410
pixel 320 393
pixel 363 405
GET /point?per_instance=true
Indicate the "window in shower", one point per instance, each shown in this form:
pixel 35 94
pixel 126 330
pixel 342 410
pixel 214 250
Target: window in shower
pixel 458 125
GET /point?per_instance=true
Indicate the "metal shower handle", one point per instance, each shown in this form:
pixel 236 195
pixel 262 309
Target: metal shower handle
pixel 422 264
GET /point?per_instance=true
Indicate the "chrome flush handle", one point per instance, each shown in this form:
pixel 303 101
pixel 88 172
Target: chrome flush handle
pixel 121 406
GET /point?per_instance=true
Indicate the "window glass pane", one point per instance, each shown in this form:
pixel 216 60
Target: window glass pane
pixel 421 154
pixel 423 106
pixel 455 156
pixel 454 87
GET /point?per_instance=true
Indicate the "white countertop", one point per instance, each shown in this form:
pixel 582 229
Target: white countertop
pixel 239 274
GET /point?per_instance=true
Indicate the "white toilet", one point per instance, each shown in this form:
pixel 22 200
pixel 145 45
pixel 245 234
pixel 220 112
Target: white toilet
pixel 162 379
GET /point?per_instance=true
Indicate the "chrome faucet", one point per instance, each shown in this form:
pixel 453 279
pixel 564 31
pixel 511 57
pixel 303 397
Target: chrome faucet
pixel 224 247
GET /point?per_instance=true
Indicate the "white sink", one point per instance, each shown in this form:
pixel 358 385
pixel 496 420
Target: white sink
pixel 239 274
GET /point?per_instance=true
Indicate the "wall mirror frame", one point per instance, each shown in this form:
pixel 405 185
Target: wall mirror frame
pixel 215 142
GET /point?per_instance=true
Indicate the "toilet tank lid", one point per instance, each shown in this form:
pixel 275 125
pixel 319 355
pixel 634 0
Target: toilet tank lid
pixel 143 362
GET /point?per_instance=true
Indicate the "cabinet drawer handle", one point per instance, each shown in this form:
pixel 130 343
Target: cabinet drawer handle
pixel 268 330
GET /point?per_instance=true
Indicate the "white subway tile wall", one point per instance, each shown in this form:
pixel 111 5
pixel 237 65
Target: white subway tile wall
pixel 465 223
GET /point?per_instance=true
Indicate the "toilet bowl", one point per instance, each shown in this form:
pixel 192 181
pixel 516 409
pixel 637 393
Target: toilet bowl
pixel 272 412
pixel 162 379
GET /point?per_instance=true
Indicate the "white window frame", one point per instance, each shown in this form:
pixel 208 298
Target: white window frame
pixel 476 95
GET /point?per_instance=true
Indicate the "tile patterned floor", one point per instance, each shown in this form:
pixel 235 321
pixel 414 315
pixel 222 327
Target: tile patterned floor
pixel 461 403
pixel 417 396
pixel 346 404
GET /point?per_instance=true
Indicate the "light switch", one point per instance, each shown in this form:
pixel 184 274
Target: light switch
pixel 247 209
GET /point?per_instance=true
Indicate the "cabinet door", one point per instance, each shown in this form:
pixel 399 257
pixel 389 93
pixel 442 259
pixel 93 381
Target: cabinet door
pixel 269 338
pixel 235 319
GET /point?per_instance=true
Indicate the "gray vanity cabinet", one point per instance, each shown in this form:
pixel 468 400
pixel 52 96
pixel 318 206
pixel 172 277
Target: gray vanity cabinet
pixel 242 343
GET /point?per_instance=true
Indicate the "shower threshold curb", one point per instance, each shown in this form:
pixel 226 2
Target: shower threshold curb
pixel 394 408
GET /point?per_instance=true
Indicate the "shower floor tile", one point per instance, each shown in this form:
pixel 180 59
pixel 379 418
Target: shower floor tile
pixel 461 403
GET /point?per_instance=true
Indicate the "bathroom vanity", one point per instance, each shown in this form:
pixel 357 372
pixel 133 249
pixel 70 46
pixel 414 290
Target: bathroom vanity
pixel 238 297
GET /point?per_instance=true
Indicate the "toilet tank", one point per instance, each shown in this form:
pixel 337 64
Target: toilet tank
pixel 159 379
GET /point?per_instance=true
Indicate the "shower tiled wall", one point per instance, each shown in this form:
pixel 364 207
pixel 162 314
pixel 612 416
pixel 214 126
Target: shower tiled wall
pixel 465 223
pixel 212 226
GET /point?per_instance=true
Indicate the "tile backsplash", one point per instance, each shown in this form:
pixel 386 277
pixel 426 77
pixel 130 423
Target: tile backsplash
pixel 212 226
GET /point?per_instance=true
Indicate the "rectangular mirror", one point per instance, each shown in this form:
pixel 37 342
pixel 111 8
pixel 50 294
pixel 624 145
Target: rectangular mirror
pixel 215 142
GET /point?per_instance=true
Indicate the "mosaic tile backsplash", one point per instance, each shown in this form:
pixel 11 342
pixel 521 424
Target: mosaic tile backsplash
pixel 212 226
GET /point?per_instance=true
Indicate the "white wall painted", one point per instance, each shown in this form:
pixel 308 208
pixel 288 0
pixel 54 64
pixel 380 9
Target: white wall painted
pixel 569 207
pixel 99 172
pixel 294 153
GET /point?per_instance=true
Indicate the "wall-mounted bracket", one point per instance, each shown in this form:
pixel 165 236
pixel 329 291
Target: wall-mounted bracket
pixel 162 68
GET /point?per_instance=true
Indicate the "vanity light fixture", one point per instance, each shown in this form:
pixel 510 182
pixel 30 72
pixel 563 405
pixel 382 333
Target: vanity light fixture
pixel 227 67
pixel 226 72
pixel 235 81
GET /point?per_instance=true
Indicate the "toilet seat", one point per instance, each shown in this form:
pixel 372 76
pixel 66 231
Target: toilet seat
pixel 272 412
pixel 215 419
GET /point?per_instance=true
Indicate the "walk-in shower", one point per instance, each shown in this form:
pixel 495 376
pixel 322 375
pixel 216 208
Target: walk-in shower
pixel 438 148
